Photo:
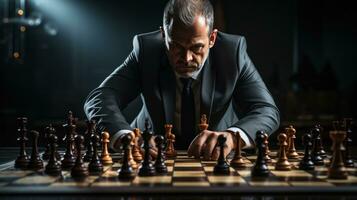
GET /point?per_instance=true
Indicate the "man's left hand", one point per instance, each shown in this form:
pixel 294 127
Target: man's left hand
pixel 206 144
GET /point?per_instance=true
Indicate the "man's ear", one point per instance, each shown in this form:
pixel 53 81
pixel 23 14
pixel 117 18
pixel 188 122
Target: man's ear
pixel 212 38
pixel 162 32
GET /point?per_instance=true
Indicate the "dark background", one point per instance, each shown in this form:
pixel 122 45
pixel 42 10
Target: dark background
pixel 304 50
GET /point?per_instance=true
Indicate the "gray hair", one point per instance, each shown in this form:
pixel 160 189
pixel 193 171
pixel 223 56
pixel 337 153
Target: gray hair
pixel 185 12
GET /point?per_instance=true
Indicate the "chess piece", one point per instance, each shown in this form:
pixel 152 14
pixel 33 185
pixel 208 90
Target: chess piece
pixel 221 167
pixel 348 143
pixel 160 165
pixel 146 168
pixel 287 140
pixel 22 160
pixel 47 153
pixel 35 161
pixel 306 163
pixel 95 166
pixel 88 137
pixel 170 151
pixel 136 148
pixel 126 172
pixel 337 169
pixel 282 164
pixel 316 158
pixel 238 161
pixel 69 159
pixel 291 132
pixel 203 123
pixel 266 150
pixel 79 170
pixel 105 157
pixel 53 167
pixel 132 162
pixel 320 147
pixel 260 168
pixel 49 130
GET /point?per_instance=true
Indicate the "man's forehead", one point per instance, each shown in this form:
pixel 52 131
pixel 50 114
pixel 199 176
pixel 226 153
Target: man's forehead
pixel 196 32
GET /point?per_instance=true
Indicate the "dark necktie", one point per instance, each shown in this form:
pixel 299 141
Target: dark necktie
pixel 187 113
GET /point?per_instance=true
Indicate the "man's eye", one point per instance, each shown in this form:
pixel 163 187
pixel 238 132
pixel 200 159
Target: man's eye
pixel 197 48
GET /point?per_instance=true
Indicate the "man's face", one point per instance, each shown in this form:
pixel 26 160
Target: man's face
pixel 188 47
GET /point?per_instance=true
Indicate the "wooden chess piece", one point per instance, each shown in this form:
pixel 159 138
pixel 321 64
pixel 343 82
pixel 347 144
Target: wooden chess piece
pixel 222 166
pixel 22 160
pixel 348 143
pixel 138 157
pixel 170 151
pixel 306 163
pixel 291 132
pixel 49 130
pixel 260 168
pixel 69 159
pixel 126 172
pixel 132 162
pixel 36 162
pixel 105 157
pixel 95 166
pixel 91 126
pixel 147 168
pixel 238 161
pixel 316 158
pixel 79 170
pixel 266 150
pixel 203 123
pixel 282 164
pixel 320 147
pixel 160 165
pixel 337 169
pixel 53 168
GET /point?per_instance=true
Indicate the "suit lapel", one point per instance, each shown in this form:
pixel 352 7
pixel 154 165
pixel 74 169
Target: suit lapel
pixel 208 88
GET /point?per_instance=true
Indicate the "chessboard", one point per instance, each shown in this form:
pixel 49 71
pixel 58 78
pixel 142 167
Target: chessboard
pixel 186 175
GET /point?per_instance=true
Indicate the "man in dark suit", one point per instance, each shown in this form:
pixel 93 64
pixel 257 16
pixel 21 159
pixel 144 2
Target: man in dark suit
pixel 185 70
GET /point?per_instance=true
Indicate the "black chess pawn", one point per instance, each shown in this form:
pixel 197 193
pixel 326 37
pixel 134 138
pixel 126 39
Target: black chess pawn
pixel 47 153
pixel 222 166
pixel 79 170
pixel 88 137
pixel 22 160
pixel 36 162
pixel 126 172
pixel 320 148
pixel 146 168
pixel 95 166
pixel 347 159
pixel 160 165
pixel 316 157
pixel 260 168
pixel 306 163
pixel 53 167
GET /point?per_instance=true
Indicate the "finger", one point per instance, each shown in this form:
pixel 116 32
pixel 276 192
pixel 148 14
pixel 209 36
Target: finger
pixel 196 145
pixel 215 153
pixel 211 142
pixel 153 153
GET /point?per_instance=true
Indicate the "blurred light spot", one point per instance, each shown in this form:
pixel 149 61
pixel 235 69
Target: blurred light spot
pixel 22 28
pixel 20 12
pixel 16 55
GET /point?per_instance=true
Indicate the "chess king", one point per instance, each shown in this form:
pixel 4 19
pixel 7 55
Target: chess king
pixel 184 70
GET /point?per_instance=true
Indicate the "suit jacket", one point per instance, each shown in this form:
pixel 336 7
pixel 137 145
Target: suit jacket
pixel 232 92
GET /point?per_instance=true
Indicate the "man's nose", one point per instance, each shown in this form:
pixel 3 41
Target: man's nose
pixel 188 56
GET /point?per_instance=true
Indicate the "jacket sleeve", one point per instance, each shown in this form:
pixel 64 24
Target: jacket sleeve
pixel 255 103
pixel 105 103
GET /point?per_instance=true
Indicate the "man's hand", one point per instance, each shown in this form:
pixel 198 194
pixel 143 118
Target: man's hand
pixel 152 149
pixel 206 144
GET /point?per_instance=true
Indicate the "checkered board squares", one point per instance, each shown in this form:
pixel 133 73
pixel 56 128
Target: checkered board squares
pixel 183 171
